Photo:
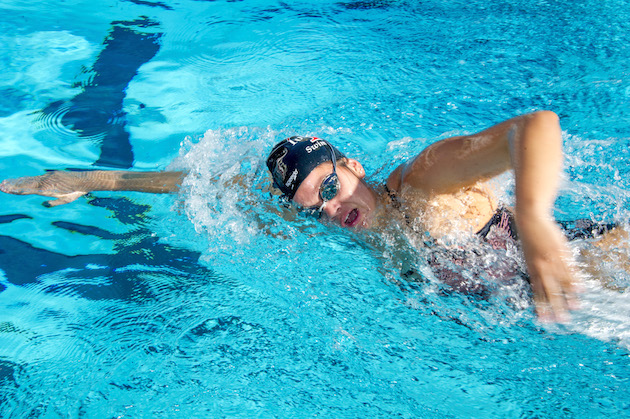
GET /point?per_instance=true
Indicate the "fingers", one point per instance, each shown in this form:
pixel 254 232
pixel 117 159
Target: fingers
pixel 27 185
pixel 544 309
pixel 555 297
pixel 572 293
pixel 554 307
pixel 63 199
pixel 11 186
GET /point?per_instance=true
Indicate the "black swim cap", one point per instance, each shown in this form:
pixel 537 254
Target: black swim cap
pixel 292 159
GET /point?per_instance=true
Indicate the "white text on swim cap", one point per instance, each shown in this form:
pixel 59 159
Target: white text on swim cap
pixel 315 146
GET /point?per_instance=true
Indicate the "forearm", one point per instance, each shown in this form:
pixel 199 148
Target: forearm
pixel 536 154
pixel 67 186
pixel 117 180
pixel 152 182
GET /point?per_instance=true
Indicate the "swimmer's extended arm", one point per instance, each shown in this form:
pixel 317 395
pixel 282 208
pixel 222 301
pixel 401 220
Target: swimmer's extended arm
pixel 531 145
pixel 66 186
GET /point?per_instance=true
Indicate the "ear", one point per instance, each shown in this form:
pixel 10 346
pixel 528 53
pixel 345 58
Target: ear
pixel 355 167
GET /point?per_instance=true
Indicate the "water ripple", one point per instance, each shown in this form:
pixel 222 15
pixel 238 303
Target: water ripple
pixel 61 120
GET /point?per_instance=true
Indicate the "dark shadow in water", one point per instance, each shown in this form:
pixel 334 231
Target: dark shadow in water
pixel 151 4
pixel 4 219
pixel 7 370
pixel 98 110
pixel 137 250
pixel 126 274
pixel 8 384
pixel 367 5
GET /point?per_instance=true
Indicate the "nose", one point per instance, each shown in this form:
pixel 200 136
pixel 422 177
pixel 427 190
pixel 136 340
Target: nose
pixel 331 208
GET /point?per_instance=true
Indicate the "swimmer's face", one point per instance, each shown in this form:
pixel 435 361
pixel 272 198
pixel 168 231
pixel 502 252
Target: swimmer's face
pixel 353 205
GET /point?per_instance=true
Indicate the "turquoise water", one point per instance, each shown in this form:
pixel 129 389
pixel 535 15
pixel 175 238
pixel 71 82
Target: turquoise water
pixel 217 303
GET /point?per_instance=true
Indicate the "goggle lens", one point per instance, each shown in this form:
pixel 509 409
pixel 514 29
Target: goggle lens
pixel 329 187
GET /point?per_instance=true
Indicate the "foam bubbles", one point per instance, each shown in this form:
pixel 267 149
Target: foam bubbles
pixel 605 313
pixel 220 191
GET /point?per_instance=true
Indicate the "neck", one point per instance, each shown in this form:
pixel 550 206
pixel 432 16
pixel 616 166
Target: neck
pixel 380 216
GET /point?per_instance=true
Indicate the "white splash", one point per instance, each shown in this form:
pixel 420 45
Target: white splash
pixel 223 171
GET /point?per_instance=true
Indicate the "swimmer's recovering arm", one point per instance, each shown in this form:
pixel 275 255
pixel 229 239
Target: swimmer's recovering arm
pixel 66 186
pixel 532 146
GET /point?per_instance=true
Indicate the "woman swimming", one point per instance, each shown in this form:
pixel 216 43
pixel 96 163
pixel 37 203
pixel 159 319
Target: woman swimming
pixel 444 186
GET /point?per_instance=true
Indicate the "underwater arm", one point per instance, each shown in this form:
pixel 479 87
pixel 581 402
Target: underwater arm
pixel 66 186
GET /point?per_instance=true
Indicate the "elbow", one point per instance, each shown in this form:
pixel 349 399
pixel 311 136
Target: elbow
pixel 548 118
pixel 543 126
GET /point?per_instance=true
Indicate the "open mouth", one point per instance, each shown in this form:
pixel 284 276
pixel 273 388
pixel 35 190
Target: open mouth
pixel 352 218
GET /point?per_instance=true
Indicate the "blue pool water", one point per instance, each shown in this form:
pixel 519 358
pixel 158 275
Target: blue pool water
pixel 217 303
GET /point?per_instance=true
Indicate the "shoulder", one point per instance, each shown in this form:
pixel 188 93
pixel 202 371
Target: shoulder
pixel 394 181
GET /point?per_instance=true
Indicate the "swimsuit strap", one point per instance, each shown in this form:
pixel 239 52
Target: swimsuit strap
pixel 582 228
pixel 393 199
pixel 502 219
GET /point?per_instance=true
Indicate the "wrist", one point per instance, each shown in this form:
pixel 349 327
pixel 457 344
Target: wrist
pixel 537 212
pixel 533 219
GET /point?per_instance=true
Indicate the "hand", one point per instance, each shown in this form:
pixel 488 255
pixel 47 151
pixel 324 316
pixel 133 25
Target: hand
pixel 65 186
pixel 553 276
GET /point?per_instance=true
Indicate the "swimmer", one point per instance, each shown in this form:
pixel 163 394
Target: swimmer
pixel 446 182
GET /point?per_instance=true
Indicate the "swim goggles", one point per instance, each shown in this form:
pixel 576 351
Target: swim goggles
pixel 328 189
